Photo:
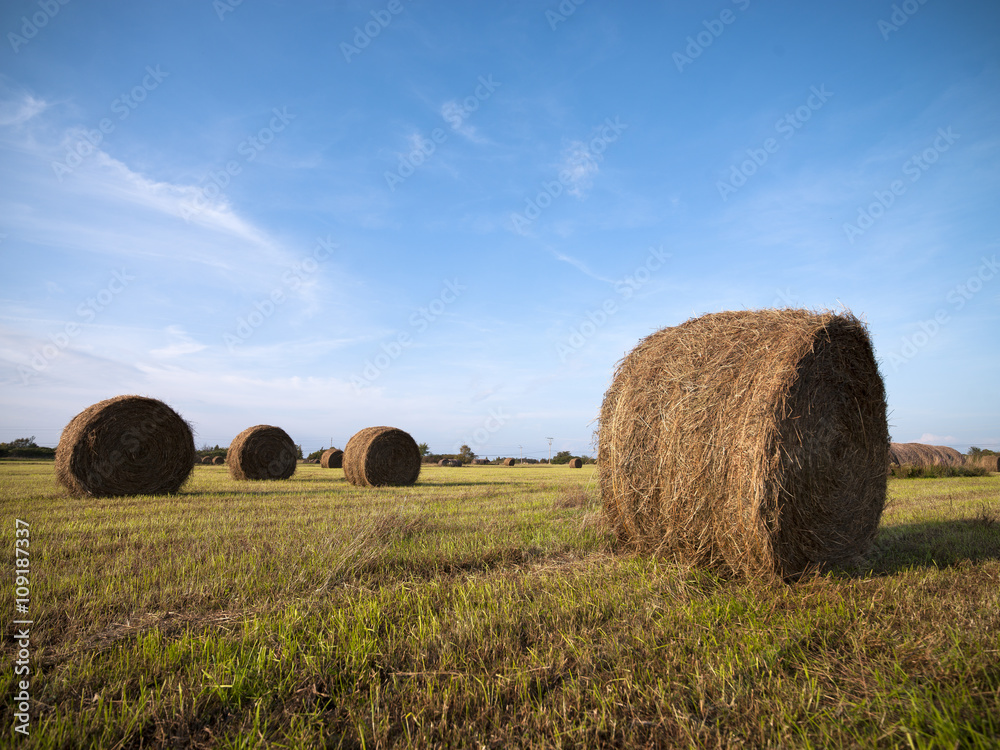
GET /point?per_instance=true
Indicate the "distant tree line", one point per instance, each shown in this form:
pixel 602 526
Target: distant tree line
pixel 25 448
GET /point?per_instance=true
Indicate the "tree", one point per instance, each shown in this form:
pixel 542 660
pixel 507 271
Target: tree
pixel 562 457
pixel 423 448
pixel 21 443
pixel 466 454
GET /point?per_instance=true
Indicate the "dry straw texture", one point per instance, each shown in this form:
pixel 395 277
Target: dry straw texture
pixel 575 463
pixel 381 456
pixel 127 445
pixel 509 462
pixel 918 454
pixel 753 442
pixel 261 452
pixel 332 458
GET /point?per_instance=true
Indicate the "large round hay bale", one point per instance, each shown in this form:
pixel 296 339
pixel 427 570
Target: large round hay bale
pixel 753 442
pixel 218 461
pixel 261 452
pixel 575 463
pixel 381 456
pixel 127 445
pixel 332 459
pixel 509 462
pixel 206 459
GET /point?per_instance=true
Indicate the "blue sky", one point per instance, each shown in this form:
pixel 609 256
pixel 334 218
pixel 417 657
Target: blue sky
pixel 456 220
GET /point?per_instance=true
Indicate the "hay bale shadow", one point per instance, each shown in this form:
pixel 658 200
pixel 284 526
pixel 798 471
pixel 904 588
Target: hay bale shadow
pixel 935 544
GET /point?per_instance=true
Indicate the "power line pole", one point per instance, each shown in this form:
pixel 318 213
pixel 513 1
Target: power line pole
pixel 550 448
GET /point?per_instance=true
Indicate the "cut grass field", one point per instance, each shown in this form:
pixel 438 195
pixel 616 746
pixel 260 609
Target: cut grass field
pixel 484 607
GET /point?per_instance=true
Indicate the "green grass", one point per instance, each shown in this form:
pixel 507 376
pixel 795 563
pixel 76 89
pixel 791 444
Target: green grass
pixel 485 606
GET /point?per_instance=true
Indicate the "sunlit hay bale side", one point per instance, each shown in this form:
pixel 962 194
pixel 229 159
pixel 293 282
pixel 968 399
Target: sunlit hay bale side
pixel 332 458
pixel 752 442
pixel 127 445
pixel 218 461
pixel 261 452
pixel 575 463
pixel 381 456
pixel 509 462
pixel 990 463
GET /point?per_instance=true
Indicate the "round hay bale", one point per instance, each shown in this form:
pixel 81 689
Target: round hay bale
pixel 206 459
pixel 218 461
pixel 332 459
pixel 752 442
pixel 380 457
pixel 127 445
pixel 444 462
pixel 509 462
pixel 990 463
pixel 261 452
pixel 575 463
pixel 920 454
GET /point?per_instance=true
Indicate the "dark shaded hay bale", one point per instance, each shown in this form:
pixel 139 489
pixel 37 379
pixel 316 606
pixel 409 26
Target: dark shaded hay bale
pixel 575 463
pixel 332 459
pixel 381 456
pixel 206 459
pixel 509 462
pixel 127 445
pixel 752 442
pixel 218 461
pixel 262 452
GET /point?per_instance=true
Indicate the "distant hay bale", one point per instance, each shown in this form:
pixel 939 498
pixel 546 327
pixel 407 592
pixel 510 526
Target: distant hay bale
pixel 509 462
pixel 753 442
pixel 990 463
pixel 261 452
pixel 919 454
pixel 575 463
pixel 332 459
pixel 127 445
pixel 206 459
pixel 444 462
pixel 380 457
pixel 218 461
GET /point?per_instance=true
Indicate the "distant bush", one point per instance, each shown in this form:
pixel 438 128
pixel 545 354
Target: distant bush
pixel 936 472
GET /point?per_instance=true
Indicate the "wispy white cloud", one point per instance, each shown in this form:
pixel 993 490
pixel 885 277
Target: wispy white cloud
pixel 578 168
